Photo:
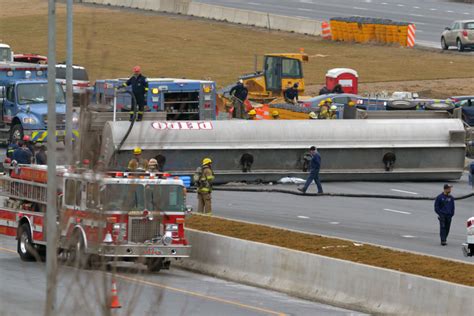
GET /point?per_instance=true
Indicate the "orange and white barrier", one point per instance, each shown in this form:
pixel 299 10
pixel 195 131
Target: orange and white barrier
pixel 326 30
pixel 411 35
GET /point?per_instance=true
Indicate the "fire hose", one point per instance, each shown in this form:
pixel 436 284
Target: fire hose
pixel 348 195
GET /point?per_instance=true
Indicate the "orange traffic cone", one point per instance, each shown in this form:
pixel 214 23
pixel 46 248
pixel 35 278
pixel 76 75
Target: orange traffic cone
pixel 114 302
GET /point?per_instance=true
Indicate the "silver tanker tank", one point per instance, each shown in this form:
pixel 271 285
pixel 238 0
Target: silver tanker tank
pixel 385 150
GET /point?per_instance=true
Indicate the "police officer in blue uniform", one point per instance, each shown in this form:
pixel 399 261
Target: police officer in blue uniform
pixel 444 207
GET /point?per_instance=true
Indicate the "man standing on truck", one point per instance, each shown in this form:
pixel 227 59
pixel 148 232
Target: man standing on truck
pixel 444 207
pixel 291 94
pixel 139 85
pixel 203 179
pixel 315 166
pixel 239 94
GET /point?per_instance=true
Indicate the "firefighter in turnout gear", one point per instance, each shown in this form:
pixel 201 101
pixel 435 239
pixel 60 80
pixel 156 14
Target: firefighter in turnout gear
pixel 203 179
pixel 139 85
pixel 137 163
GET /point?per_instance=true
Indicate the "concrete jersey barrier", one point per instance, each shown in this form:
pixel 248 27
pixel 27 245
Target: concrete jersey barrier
pixel 221 13
pixel 333 281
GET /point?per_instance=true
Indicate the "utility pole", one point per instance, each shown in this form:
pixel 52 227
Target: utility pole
pixel 69 76
pixel 51 212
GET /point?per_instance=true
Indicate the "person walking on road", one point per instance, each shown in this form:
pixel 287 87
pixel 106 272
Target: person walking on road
pixel 203 179
pixel 315 166
pixel 444 207
pixel 139 85
pixel 239 94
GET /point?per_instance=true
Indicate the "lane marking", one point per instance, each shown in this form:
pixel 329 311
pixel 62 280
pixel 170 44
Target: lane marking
pixel 408 236
pixel 359 8
pixel 400 5
pixel 253 3
pixel 466 13
pixel 306 1
pixel 166 287
pixel 417 15
pixel 303 217
pixel 384 3
pixel 7 250
pixel 192 293
pixel 416 7
pixel 449 11
pixel 396 211
pixel 433 9
pixel 403 191
pixel 333 223
pixel 304 9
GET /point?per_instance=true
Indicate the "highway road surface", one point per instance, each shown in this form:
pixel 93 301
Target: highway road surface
pixel 172 292
pixel 430 16
pixel 404 224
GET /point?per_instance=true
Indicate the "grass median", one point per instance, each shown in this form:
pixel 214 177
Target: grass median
pixel 427 266
pixel 109 42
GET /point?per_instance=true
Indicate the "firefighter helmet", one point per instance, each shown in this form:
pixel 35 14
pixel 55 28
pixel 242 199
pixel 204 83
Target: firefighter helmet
pixel 252 112
pixel 137 151
pixel 312 115
pixel 206 161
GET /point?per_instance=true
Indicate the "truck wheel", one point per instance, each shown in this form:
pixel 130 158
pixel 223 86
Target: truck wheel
pixel 25 248
pixel 16 132
pixel 77 252
pixel 154 264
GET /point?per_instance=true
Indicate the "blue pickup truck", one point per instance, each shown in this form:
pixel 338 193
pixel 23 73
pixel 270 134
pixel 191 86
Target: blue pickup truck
pixel 23 103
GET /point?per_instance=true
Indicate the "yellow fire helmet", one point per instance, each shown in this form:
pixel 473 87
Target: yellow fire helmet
pixel 275 113
pixel 137 151
pixel 252 112
pixel 322 103
pixel 351 103
pixel 312 115
pixel 328 100
pixel 206 161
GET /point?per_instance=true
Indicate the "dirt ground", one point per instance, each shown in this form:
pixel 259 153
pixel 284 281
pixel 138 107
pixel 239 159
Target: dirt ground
pixel 109 42
pixel 342 249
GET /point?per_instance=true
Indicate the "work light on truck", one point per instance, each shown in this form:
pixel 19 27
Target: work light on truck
pixel 29 120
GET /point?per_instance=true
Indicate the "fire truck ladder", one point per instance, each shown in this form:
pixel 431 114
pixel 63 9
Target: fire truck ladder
pixel 23 190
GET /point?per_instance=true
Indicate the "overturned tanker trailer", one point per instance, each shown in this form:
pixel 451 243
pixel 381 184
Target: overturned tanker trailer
pixel 385 150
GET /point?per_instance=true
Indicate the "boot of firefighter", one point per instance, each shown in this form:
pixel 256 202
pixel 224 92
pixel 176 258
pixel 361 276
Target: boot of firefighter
pixel 140 116
pixel 132 116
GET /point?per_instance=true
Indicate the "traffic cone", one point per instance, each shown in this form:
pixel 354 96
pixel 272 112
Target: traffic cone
pixel 114 302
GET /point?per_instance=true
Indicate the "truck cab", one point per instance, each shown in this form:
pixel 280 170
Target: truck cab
pixel 24 104
pixel 6 53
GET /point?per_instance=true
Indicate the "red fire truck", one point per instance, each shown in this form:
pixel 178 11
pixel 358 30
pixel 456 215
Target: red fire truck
pixel 101 217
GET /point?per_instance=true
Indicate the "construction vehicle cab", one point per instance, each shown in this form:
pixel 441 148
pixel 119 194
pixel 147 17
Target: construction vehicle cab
pixel 280 71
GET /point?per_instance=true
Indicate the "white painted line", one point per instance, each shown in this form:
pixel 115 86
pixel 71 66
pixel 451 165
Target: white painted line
pixel 418 15
pixel 449 11
pixel 306 1
pixel 400 5
pixel 466 13
pixel 359 8
pixel 416 7
pixel 403 191
pixel 303 217
pixel 334 223
pixel 408 236
pixel 304 9
pixel 433 9
pixel 384 3
pixel 395 211
pixel 253 3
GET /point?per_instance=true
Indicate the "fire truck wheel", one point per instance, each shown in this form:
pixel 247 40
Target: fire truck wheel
pixel 77 254
pixel 154 264
pixel 25 248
